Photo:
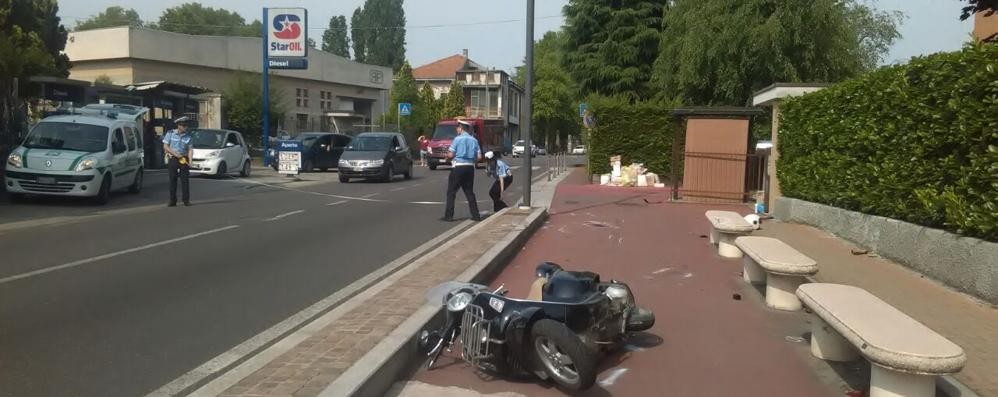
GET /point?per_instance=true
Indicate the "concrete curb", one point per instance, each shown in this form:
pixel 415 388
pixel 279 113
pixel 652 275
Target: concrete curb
pixel 376 372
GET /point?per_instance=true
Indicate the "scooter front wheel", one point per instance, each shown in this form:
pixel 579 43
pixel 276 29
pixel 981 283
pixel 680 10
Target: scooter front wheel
pixel 563 356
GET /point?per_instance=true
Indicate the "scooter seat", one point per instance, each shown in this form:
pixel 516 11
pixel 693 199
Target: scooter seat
pixel 570 287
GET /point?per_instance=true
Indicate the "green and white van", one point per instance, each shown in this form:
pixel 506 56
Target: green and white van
pixel 90 153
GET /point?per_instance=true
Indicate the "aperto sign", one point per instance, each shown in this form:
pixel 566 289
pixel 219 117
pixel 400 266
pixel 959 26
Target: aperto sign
pixel 287 32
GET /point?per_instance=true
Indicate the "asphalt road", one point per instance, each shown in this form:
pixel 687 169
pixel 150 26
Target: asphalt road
pixel 120 300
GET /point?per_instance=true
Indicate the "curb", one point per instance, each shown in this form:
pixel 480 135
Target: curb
pixel 376 372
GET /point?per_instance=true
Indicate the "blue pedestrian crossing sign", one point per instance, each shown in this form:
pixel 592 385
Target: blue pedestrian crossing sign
pixel 405 109
pixel 582 109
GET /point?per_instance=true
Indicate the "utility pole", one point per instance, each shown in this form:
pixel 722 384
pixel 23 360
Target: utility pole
pixel 528 110
pixel 266 94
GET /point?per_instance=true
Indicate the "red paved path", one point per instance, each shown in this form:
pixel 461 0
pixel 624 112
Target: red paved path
pixel 704 342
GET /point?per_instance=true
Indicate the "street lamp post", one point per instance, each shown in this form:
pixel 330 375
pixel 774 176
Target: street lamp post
pixel 528 110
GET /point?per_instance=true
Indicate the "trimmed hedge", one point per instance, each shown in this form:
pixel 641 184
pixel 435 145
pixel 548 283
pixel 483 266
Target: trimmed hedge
pixel 638 132
pixel 916 142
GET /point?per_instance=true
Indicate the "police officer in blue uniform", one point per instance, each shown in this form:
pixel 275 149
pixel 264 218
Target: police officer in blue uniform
pixel 464 153
pixel 177 145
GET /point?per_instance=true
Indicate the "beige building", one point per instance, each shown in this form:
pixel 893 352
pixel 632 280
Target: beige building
pixel 333 94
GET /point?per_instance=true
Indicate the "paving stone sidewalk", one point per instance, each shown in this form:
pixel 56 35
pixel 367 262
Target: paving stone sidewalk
pixel 308 368
pixel 969 323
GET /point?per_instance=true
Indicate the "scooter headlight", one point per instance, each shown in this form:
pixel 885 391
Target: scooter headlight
pixel 458 302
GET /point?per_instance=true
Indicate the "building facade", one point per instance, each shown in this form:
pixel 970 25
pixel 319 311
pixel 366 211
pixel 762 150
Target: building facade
pixel 333 94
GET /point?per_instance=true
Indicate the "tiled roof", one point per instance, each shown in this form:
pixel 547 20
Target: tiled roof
pixel 444 68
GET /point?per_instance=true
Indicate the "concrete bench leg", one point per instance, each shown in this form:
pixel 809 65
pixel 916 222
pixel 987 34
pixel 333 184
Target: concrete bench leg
pixel 889 383
pixel 828 344
pixel 713 236
pixel 726 246
pixel 752 272
pixel 781 292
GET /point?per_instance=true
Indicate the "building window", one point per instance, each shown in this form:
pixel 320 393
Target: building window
pixel 304 92
pixel 301 97
pixel 302 121
pixel 304 103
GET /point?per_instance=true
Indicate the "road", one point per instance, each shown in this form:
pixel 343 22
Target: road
pixel 120 300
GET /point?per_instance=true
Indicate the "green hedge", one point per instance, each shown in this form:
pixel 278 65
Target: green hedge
pixel 915 142
pixel 638 132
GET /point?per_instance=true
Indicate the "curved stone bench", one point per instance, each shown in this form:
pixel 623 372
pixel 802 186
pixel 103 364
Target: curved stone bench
pixel 725 227
pixel 906 355
pixel 778 265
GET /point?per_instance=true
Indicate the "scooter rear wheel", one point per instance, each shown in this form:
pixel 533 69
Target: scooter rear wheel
pixel 563 356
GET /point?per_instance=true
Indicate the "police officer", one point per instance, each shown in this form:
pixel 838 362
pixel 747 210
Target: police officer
pixel 177 145
pixel 464 153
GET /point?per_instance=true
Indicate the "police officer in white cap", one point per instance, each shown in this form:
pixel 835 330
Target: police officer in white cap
pixel 464 153
pixel 177 145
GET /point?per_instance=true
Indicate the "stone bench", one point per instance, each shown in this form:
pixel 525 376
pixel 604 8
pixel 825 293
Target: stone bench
pixel 906 356
pixel 725 227
pixel 778 265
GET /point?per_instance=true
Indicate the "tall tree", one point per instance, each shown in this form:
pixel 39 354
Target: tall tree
pixel 383 25
pixel 717 52
pixel 555 97
pixel 242 102
pixel 988 7
pixel 334 39
pixel 453 102
pixel 359 35
pixel 404 90
pixel 111 17
pixel 610 46
pixel 196 19
pixel 427 109
pixel 31 43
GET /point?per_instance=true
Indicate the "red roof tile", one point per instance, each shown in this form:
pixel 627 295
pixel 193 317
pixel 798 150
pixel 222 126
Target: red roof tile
pixel 444 68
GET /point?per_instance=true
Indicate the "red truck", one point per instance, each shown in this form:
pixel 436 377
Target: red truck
pixel 489 138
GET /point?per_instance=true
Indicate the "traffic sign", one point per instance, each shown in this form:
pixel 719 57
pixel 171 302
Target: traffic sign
pixel 405 109
pixel 582 109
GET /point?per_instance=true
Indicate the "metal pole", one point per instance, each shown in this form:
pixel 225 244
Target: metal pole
pixel 398 117
pixel 266 92
pixel 528 109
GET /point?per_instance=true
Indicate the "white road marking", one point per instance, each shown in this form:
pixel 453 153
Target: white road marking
pixel 662 270
pixel 369 195
pixel 310 192
pixel 337 203
pixel 111 255
pixel 612 378
pixel 282 216
pixel 397 189
pixel 427 202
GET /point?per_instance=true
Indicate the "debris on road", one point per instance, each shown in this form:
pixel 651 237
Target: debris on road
pixel 860 252
pixel 795 339
pixel 736 297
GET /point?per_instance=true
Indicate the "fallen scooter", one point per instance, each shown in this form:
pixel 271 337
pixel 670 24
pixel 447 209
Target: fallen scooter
pixel 559 332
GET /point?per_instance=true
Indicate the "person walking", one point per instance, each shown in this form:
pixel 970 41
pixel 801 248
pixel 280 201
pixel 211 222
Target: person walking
pixel 464 152
pixel 503 176
pixel 424 149
pixel 177 145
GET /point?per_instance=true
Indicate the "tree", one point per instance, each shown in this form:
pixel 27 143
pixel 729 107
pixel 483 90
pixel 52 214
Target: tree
pixel 427 109
pixel 988 7
pixel 359 35
pixel 453 102
pixel 103 79
pixel 404 91
pixel 334 39
pixel 555 96
pixel 31 43
pixel 111 17
pixel 242 100
pixel 610 46
pixel 718 52
pixel 196 19
pixel 381 28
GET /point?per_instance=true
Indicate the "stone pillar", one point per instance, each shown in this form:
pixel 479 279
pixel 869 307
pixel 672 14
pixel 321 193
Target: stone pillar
pixel 774 182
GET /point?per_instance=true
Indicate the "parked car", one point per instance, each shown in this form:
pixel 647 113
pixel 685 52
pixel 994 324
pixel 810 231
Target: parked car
pixel 376 155
pixel 541 151
pixel 219 152
pixel 581 149
pixel 520 147
pixel 320 150
pixel 90 153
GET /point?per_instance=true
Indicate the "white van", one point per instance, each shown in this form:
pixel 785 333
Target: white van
pixel 90 153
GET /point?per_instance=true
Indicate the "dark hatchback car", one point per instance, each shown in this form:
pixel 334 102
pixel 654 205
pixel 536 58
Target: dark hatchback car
pixel 320 150
pixel 376 155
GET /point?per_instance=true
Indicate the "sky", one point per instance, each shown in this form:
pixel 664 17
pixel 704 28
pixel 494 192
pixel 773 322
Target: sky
pixel 494 32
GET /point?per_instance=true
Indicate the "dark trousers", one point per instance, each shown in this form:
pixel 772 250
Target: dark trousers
pixel 463 178
pixel 183 172
pixel 496 193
